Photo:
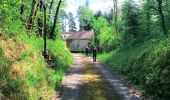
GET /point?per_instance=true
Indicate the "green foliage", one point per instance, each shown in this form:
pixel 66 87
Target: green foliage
pixel 85 17
pixel 61 55
pixel 108 42
pixel 10 17
pixel 130 17
pixel 26 76
pixel 151 70
pixel 106 39
pixel 38 77
pixel 9 86
pixel 143 57
pixel 146 65
pixel 99 24
pixel 3 68
pixel 72 24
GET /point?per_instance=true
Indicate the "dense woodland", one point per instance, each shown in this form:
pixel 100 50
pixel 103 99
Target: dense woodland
pixel 132 38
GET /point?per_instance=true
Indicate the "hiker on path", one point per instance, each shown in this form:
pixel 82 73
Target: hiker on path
pixel 87 50
pixel 94 53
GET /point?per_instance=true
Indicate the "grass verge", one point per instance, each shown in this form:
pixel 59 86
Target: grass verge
pixel 24 74
pixel 146 65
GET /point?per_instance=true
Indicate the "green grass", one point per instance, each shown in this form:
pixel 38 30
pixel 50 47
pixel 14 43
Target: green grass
pixel 27 77
pixel 146 65
pixel 23 72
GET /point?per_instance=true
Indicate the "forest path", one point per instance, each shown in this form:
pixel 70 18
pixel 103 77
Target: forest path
pixel 91 81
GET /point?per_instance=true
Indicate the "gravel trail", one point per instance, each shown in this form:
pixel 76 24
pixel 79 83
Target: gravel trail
pixel 91 81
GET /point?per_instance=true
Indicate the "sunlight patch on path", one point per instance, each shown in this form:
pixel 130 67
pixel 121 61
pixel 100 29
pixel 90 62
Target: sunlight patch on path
pixel 95 87
pixel 85 81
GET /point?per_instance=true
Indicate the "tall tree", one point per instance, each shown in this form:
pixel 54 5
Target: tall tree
pixel 109 16
pixel 85 17
pixel 51 5
pixel 64 23
pixel 22 8
pixel 130 17
pixel 148 15
pixel 98 14
pixel 162 16
pixel 72 24
pixel 32 15
pixel 52 35
pixel 116 15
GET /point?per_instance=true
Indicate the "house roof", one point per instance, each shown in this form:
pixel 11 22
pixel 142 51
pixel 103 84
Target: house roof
pixel 81 35
pixel 65 36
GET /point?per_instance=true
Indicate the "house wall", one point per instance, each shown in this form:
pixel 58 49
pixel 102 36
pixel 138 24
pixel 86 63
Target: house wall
pixel 77 45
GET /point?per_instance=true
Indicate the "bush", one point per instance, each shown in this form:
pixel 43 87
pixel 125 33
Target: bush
pixel 61 56
pixel 106 39
pixel 26 76
pixel 9 86
pixel 151 70
pixel 146 65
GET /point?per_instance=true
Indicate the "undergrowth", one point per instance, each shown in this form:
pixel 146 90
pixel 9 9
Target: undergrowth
pixel 146 65
pixel 23 72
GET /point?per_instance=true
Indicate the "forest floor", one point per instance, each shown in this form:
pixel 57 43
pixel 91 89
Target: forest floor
pixel 86 80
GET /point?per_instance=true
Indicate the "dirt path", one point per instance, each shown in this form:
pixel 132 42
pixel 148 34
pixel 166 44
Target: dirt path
pixel 91 81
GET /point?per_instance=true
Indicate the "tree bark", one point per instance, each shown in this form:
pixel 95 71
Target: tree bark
pixel 115 15
pixel 162 17
pixel 22 8
pixel 148 16
pixel 51 5
pixel 52 35
pixel 40 27
pixel 31 17
pixel 45 31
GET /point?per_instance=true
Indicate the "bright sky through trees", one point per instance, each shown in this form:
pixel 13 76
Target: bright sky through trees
pixel 95 5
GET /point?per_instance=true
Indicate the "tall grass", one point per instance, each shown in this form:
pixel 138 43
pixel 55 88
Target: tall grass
pixel 146 65
pixel 27 77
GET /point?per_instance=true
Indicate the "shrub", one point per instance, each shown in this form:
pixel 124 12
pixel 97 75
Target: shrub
pixel 27 76
pixel 146 65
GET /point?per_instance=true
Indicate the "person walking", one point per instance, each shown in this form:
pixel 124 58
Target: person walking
pixel 87 50
pixel 94 53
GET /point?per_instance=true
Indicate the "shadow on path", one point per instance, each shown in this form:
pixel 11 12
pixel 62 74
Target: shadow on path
pixel 91 81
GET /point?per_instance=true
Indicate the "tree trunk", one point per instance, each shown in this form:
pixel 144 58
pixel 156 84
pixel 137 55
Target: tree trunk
pixel 51 5
pixel 45 30
pixel 31 17
pixel 40 27
pixel 148 16
pixel 40 5
pixel 162 17
pixel 52 35
pixel 22 8
pixel 115 15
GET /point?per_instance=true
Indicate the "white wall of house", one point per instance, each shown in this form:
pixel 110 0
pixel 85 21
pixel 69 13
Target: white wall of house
pixel 77 45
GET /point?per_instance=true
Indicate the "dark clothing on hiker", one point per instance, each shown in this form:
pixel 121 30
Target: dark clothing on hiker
pixel 87 51
pixel 94 54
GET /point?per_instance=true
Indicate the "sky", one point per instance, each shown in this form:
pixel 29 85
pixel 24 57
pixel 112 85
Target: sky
pixel 95 5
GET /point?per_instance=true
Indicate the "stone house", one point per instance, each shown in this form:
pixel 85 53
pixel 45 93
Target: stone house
pixel 79 40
